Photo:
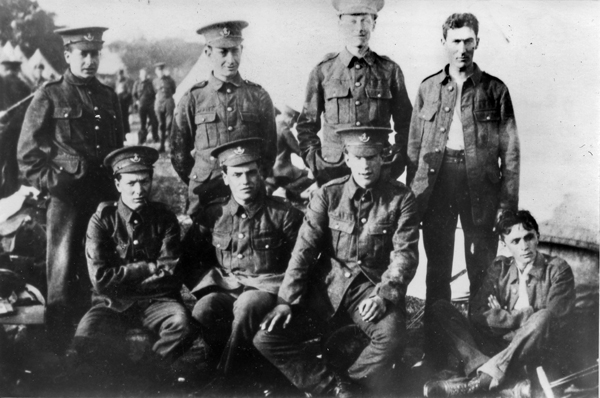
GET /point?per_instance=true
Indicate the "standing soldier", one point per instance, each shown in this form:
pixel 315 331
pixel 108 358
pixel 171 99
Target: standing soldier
pixel 123 89
pixel 70 126
pixel 38 72
pixel 165 87
pixel 216 111
pixel 354 87
pixel 143 94
pixel 15 88
pixel 463 161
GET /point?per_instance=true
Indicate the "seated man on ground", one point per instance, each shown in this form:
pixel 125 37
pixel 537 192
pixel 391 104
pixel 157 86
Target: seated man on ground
pixel 235 256
pixel 355 256
pixel 518 314
pixel 132 250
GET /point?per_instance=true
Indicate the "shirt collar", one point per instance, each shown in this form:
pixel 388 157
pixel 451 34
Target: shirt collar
pixel 234 208
pixel 127 214
pixel 78 81
pixel 347 58
pixel 536 269
pixel 217 84
pixel 353 190
pixel 444 77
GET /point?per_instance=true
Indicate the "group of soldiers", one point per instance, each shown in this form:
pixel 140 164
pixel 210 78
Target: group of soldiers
pixel 266 277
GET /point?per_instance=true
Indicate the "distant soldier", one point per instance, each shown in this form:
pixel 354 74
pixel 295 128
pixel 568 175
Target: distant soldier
pixel 283 170
pixel 123 89
pixel 132 250
pixel 70 126
pixel 216 111
pixel 15 88
pixel 38 75
pixel 144 94
pixel 165 87
pixel 239 273
pixel 353 87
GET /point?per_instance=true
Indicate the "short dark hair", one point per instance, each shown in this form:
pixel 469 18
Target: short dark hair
pixel 372 15
pixel 457 21
pixel 510 218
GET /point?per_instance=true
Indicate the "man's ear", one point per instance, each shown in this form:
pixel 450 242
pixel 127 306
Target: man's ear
pixel 225 178
pixel 208 51
pixel 476 43
pixel 67 56
pixel 118 185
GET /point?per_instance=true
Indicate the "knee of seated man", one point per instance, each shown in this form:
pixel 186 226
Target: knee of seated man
pixel 390 332
pixel 252 302
pixel 206 309
pixel 540 320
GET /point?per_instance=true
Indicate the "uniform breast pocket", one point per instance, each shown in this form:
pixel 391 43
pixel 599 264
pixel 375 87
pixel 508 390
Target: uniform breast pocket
pixel 427 118
pixel 379 104
pixel 207 133
pixel 222 244
pixel 341 235
pixel 336 96
pixel 64 116
pixel 488 121
pixel 268 251
pixel 381 235
pixel 250 126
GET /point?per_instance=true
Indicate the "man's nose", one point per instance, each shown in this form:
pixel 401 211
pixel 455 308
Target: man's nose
pixel 461 46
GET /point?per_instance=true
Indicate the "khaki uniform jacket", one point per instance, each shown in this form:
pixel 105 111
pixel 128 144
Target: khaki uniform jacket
pixel 348 231
pixel 492 151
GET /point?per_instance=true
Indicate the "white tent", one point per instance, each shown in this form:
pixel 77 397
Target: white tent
pixel 38 58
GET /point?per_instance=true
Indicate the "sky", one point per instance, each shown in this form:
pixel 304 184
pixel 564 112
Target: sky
pixel 546 52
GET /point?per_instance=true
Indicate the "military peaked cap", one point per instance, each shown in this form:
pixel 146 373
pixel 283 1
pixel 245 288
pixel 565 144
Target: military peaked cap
pixel 85 38
pixel 223 34
pixel 236 153
pixel 131 159
pixel 364 141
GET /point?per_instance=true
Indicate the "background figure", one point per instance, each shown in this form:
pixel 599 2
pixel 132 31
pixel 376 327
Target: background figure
pixel 38 75
pixel 123 90
pixel 165 87
pixel 15 89
pixel 70 126
pixel 144 94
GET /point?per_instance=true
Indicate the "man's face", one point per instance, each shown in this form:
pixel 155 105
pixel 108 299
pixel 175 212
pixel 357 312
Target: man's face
pixel 225 61
pixel 522 244
pixel 365 169
pixel 356 29
pixel 83 63
pixel 460 45
pixel 244 182
pixel 143 74
pixel 135 188
pixel 158 72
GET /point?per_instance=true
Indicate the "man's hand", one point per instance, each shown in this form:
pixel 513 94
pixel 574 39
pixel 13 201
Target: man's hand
pixel 282 312
pixel 493 303
pixel 372 309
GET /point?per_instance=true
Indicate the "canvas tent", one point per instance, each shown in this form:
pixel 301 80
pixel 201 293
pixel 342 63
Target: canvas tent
pixel 38 58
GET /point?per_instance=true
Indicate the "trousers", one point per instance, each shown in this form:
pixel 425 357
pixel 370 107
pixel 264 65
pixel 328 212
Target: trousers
pixel 449 200
pixel 164 113
pixel 229 321
pixel 101 332
pixel 147 115
pixel 387 337
pixel 485 351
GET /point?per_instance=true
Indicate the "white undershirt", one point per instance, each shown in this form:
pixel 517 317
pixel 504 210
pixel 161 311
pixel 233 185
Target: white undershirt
pixel 456 138
pixel 523 299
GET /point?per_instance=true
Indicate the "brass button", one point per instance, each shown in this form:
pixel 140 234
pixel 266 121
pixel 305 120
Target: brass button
pixel 432 170
pixel 66 115
pixel 378 95
pixel 97 146
pixel 359 262
pixel 240 256
pixel 230 128
pixel 357 84
pixel 447 109
pixel 229 109
pixel 357 103
pixel 95 108
pixel 437 150
pixel 229 90
pixel 358 123
pixel 97 128
pixel 347 274
pixel 450 88
pixel 363 220
pixel 357 66
pixel 442 129
pixel 488 118
pixel 241 236
pixel 218 245
pixel 385 231
pixel 89 92
pixel 212 158
pixel 194 176
pixel 60 168
pixel 266 246
pixel 244 216
pixel 135 242
pixel 135 221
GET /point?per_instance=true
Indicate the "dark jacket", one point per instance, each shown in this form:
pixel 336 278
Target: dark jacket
pixel 349 92
pixel 143 91
pixel 15 89
pixel 213 113
pixel 492 152
pixel 121 244
pixel 350 231
pixel 70 126
pixel 231 245
pixel 550 285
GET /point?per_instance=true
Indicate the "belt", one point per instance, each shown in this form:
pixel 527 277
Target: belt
pixel 454 155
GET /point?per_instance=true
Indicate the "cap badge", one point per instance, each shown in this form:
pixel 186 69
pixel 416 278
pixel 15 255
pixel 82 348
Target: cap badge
pixel 89 37
pixel 364 138
pixel 225 32
pixel 239 150
pixel 136 158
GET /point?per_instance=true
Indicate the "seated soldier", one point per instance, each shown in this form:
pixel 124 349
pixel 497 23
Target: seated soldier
pixel 132 250
pixel 355 256
pixel 520 309
pixel 235 256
